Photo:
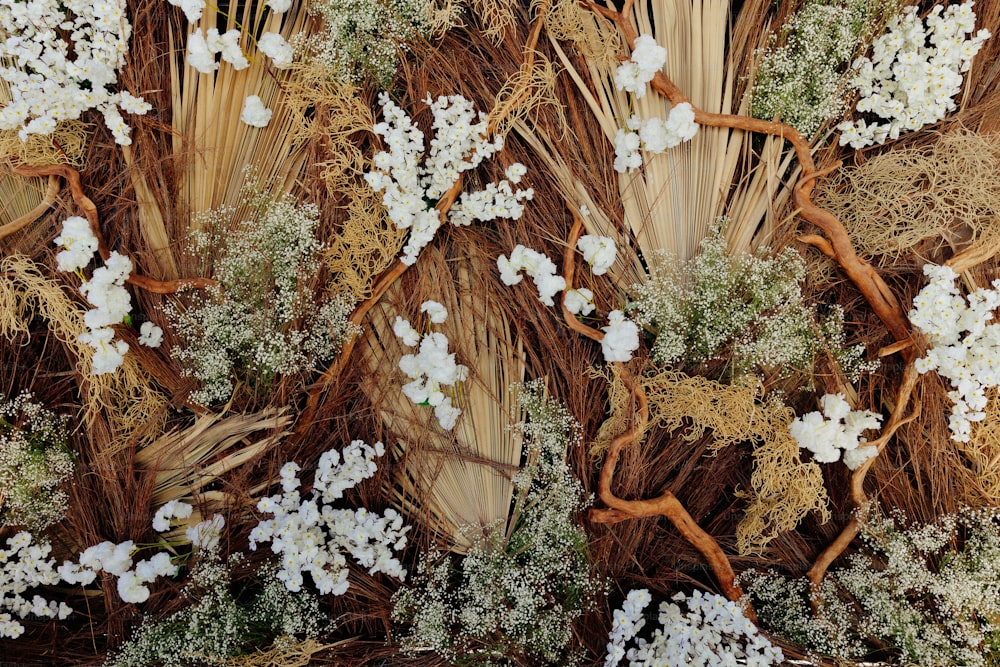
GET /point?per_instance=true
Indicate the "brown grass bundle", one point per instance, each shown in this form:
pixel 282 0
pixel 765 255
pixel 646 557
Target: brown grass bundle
pixel 784 489
pixel 944 194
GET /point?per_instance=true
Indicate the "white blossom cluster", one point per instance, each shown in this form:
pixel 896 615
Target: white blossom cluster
pixel 202 49
pixel 598 251
pixel 746 311
pixel 621 337
pixel 105 291
pixel 930 592
pixel 647 59
pixel 263 318
pixel 412 182
pixel 802 81
pixel 654 135
pixel 579 301
pixel 713 631
pixel 60 59
pixel 965 349
pixel 116 560
pixel 626 624
pixel 432 368
pixel 914 73
pixel 312 536
pixel 538 265
pixel 34 462
pixel 218 626
pixel 364 38
pixel 25 565
pixel 838 433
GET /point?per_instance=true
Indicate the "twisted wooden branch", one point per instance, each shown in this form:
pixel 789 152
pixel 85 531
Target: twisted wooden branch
pixel 72 177
pixel 837 245
pixel 667 503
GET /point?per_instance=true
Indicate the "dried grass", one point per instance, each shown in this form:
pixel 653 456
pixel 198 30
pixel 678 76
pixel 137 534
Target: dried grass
pixel 496 17
pixel 914 201
pixel 983 450
pixel 784 489
pixel 286 652
pixel 127 399
pixel 185 462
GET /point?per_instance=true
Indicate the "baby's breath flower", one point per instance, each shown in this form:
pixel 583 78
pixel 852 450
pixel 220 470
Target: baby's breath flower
pixel 517 595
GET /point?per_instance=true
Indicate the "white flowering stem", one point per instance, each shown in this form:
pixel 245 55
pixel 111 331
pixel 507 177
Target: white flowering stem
pixel 858 496
pixel 72 177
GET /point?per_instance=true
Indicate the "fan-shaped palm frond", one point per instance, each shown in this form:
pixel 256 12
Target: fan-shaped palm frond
pixel 456 483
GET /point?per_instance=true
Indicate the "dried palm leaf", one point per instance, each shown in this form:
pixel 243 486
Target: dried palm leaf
pixel 215 143
pixel 459 483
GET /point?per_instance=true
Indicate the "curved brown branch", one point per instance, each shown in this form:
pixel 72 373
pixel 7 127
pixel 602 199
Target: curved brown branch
pixel 72 177
pixel 837 245
pixel 666 504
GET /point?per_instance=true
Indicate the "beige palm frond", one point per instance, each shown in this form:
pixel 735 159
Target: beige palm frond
pixel 673 200
pixel 215 144
pixel 457 483
pixel 183 462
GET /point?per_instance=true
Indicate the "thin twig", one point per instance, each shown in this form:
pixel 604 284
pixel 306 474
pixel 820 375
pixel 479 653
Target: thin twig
pixel 72 177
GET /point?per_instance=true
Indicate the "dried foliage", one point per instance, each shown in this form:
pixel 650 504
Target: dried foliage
pixel 458 483
pixel 983 450
pixel 914 200
pixel 783 488
pixel 286 652
pixel 127 398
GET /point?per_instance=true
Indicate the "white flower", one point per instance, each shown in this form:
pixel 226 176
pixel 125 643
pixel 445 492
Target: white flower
pixel 79 242
pixel 192 8
pixel 598 251
pixel 229 45
pixel 255 113
pixel 621 337
pixel 648 58
pixel 405 332
pixel 446 414
pixel 279 6
pixel 277 49
pixel 173 509
pixel 579 301
pixel 119 560
pixel 108 354
pixel 435 311
pixel 199 56
pixel 836 434
pixel 150 335
pixel 131 588
pixel 205 535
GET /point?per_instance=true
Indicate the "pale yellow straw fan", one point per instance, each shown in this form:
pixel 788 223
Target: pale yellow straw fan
pixel 213 144
pixel 673 200
pixel 457 482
